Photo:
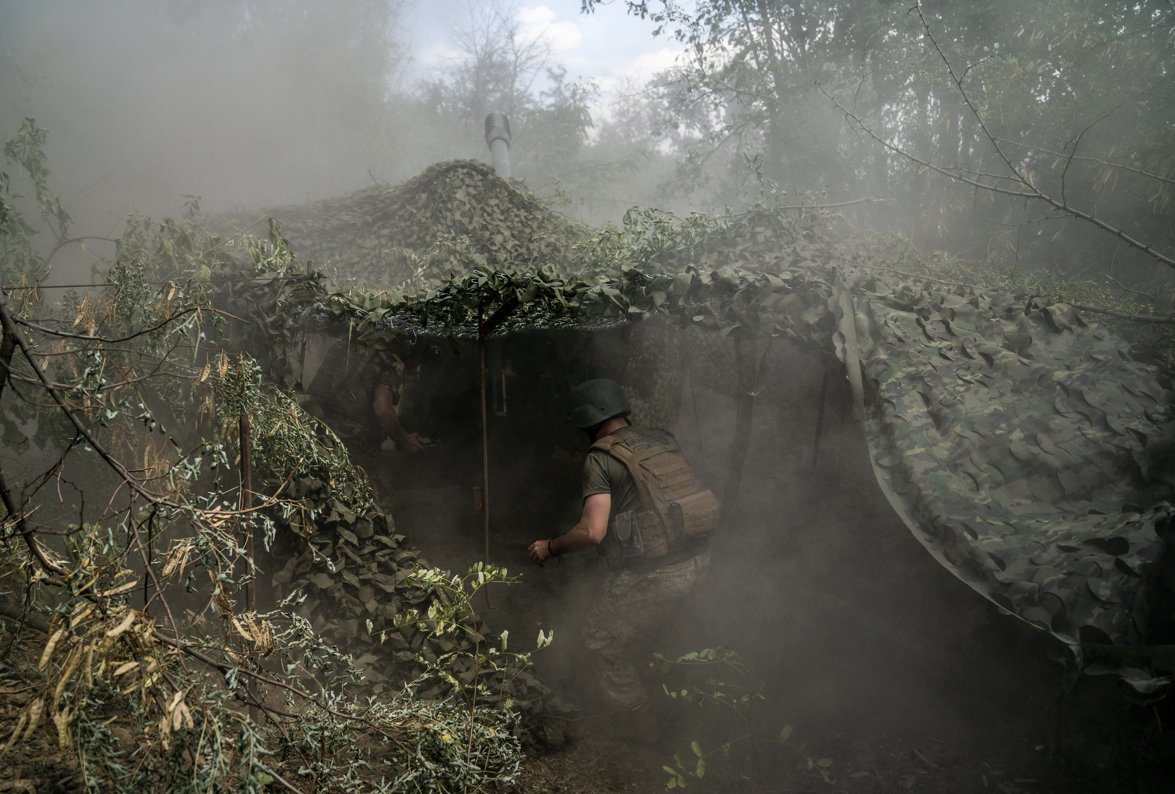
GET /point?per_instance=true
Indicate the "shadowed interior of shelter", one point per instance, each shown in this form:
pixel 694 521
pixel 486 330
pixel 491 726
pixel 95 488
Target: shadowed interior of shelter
pixel 851 627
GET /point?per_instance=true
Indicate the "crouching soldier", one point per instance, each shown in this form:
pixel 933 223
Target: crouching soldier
pixel 359 386
pixel 645 511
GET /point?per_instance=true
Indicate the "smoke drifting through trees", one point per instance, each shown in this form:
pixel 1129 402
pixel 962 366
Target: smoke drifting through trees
pixel 267 103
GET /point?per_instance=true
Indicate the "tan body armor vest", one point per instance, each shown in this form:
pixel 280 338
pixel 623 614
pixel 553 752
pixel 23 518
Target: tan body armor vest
pixel 676 509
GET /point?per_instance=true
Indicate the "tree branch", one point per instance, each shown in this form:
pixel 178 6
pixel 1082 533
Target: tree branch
pixel 1034 194
pixel 104 340
pixel 9 324
pixel 1131 169
pixel 1138 318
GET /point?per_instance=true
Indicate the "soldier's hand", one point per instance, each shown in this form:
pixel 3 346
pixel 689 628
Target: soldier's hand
pixel 539 552
pixel 411 443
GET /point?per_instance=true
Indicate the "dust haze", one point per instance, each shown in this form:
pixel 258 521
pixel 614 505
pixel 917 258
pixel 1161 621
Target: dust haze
pixel 850 631
pixel 851 628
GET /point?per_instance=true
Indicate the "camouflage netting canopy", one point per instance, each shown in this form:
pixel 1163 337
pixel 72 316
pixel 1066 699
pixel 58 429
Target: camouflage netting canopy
pixel 453 216
pixel 1028 452
pixel 1015 435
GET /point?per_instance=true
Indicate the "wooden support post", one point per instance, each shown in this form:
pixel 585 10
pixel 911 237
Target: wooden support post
pixel 751 369
pixel 246 505
pixel 247 521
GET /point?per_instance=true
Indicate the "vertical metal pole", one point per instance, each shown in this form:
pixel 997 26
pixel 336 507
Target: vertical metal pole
pixel 750 367
pixel 732 493
pixel 697 421
pixel 485 442
pixel 246 505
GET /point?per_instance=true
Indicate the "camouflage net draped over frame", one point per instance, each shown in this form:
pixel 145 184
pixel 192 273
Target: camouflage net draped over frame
pixel 454 216
pixel 1025 449
pixel 1018 441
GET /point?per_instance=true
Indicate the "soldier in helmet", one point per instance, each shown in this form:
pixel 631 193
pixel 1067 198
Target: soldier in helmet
pixel 359 387
pixel 646 513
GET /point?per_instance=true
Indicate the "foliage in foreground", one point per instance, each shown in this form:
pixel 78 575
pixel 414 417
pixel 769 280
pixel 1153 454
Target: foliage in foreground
pixel 190 732
pixel 738 698
pixel 138 394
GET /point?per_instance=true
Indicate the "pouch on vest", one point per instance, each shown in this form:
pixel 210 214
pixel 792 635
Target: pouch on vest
pixel 623 540
pixel 696 514
pixel 675 507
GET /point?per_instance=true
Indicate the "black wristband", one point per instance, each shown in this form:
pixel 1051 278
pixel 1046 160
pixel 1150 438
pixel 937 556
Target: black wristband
pixel 551 547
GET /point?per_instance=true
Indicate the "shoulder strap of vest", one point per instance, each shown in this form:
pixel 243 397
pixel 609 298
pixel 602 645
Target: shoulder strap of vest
pixel 616 447
pixel 631 461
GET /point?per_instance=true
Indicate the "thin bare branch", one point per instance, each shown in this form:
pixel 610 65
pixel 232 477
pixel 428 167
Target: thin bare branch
pixel 105 340
pixel 1131 169
pixel 10 327
pixel 1125 288
pixel 1139 318
pixel 1034 194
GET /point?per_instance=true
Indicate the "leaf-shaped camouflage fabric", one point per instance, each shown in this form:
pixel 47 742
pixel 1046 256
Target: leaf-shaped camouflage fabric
pixel 452 218
pixel 1019 442
pixel 1009 435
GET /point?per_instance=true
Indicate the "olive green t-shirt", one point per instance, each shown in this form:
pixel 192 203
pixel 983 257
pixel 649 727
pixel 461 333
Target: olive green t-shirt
pixel 603 473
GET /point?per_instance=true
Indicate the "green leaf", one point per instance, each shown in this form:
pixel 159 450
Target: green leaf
pixel 697 748
pixel 785 734
pixel 701 770
pixel 824 762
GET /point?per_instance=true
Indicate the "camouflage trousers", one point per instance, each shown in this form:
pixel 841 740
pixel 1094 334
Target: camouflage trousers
pixel 634 603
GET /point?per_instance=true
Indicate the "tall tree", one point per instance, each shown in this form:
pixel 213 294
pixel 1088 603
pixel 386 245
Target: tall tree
pixel 500 65
pixel 1059 122
pixel 1076 99
pixel 497 65
pixel 751 67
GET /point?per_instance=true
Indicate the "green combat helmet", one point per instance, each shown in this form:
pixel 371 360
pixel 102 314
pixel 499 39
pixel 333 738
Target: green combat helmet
pixel 595 401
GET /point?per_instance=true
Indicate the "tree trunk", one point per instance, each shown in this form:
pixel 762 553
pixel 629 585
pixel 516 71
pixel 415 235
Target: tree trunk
pixel 7 348
pixel 732 493
pixel 775 118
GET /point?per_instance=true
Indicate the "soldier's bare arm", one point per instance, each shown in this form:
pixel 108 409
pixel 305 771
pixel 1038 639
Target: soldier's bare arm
pixel 590 530
pixel 385 411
